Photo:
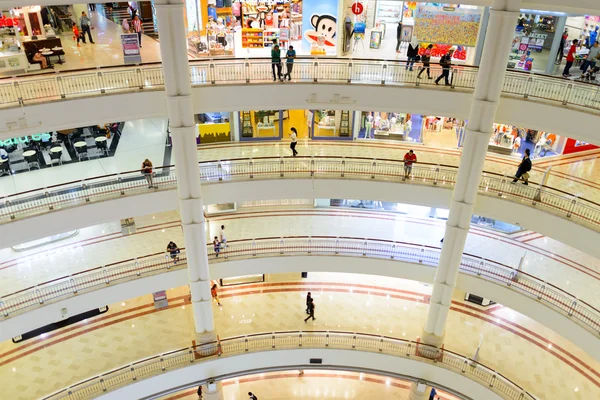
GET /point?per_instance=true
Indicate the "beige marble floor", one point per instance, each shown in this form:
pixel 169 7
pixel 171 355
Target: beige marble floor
pixel 107 52
pixel 312 384
pixel 578 175
pixel 546 365
pixel 563 266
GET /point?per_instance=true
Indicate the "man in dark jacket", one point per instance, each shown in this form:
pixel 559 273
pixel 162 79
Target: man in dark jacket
pixel 523 170
pixel 411 54
pixel 308 300
pixel 446 63
pixel 398 36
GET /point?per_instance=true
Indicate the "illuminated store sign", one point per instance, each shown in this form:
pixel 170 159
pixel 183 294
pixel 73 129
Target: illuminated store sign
pixel 44 137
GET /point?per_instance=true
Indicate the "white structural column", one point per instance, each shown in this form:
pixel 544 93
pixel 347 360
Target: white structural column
pixel 501 26
pixel 173 49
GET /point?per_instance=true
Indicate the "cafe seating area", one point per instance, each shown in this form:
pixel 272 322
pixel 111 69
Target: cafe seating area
pixel 52 149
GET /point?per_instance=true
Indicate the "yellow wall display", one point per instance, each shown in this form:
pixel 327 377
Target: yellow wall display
pixel 210 133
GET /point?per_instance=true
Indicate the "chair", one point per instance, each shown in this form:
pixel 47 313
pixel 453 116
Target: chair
pixel 5 168
pixel 82 152
pixel 56 156
pixel 32 161
pixel 102 147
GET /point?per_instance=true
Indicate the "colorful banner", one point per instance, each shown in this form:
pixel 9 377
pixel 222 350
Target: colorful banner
pixel 447 25
pixel 319 25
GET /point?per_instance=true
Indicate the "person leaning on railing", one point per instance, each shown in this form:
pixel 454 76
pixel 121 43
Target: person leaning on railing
pixel 409 159
pixel 174 251
pixel 147 172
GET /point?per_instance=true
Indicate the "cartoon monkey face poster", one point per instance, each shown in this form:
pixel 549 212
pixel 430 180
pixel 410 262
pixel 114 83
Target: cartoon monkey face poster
pixel 322 22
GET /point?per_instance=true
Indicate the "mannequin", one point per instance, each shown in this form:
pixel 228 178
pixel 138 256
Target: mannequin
pixel 368 126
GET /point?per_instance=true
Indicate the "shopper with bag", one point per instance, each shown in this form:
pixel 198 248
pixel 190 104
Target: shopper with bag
pixel 523 169
pixel 426 62
pixel 446 64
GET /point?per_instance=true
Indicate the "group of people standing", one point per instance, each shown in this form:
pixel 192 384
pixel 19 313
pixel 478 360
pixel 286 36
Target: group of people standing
pixel 276 65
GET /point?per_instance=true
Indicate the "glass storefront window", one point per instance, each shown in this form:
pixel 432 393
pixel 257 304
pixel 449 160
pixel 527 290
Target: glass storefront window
pixel 263 124
pixel 390 126
pixel 331 124
pixel 532 41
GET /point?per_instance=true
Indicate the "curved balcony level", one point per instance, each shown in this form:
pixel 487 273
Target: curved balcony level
pixel 536 101
pixel 554 213
pixel 292 350
pixel 560 311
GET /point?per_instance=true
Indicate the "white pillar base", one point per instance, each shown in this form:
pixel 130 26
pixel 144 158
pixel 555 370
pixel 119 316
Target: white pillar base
pixel 215 394
pixel 419 391
pixel 206 337
pixel 431 339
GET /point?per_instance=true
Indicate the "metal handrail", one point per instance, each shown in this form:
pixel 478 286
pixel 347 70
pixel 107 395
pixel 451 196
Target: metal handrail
pixel 289 340
pixel 521 282
pixel 75 84
pixel 34 202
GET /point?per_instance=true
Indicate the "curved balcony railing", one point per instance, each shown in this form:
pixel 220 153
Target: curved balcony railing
pixel 524 283
pixel 39 201
pixel 261 342
pixel 94 82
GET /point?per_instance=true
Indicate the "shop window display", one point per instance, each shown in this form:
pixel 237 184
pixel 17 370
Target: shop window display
pixel 532 41
pixel 210 28
pixel 389 126
pixel 213 127
pixel 262 124
pixel 331 123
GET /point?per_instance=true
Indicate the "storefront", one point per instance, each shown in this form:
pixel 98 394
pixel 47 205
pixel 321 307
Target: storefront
pixel 532 42
pixel 375 29
pixel 213 127
pixel 277 124
pixel 250 28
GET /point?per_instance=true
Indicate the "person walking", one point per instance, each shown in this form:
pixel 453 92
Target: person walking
pixel 199 392
pixel 308 300
pixel 398 36
pixel 125 25
pixel 252 396
pixel 426 59
pixel 214 294
pixel 523 169
pixel 570 59
pixel 411 54
pixel 409 159
pixel 289 62
pixel 223 236
pixel 77 35
pixel 446 64
pixel 591 58
pixel 294 141
pixel 432 394
pixel 147 171
pixel 86 26
pixel 311 311
pixel 137 28
pixel 216 246
pixel 276 62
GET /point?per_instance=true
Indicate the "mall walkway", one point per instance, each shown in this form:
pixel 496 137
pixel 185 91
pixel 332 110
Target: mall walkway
pixel 578 174
pixel 313 384
pixel 526 352
pixel 558 264
pixel 106 52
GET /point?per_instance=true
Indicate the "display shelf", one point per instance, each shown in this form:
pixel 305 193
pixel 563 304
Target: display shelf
pixel 269 34
pixel 252 38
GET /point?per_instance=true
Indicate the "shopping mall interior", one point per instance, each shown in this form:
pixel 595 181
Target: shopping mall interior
pixel 300 199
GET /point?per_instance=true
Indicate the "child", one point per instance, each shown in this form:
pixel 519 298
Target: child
pixel 213 293
pixel 217 246
pixel 77 35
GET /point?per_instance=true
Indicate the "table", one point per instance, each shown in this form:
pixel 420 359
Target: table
pixel 58 51
pixel 56 149
pixel 48 54
pixel 100 139
pixel 81 143
pixel 29 153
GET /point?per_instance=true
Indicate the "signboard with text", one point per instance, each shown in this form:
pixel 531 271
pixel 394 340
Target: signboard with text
pixel 447 25
pixel 131 48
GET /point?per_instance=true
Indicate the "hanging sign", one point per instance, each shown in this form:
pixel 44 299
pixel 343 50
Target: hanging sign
pixel 357 8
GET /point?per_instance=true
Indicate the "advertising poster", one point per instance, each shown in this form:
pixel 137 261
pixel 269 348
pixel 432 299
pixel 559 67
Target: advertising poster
pixel 131 48
pixel 319 26
pixel 447 25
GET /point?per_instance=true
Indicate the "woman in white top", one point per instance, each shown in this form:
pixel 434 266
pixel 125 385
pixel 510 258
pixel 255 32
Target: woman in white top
pixel 294 138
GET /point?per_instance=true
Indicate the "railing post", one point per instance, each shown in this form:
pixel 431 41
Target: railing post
pixel 38 294
pixel 354 341
pixel 393 251
pixel 101 82
pixel 436 174
pixel 61 87
pixel 374 165
pixel 327 340
pixel 120 184
pixel 46 196
pixel 281 167
pixel 573 205
pixel 11 211
pixel 220 171
pixel 102 384
pixel 247 64
pixel 337 246
pixel 309 245
pixel 191 354
pixel 211 72
pixel 5 308
pixel 253 245
pixel 528 85
pixel 246 344
pixel 567 93
pixel 365 247
pixel 73 285
pixel 464 367
pixel 312 167
pixel 421 255
pixel 343 166
pixel 349 72
pixel 408 349
pixel 454 72
pixel 300 340
pixel 383 71
pixel 541 292
pixel 132 370
pixel 167 256
pixel 273 341
pixel 492 380
pixel 316 72
pixel 251 167
pixel 281 246
pixel 573 306
pixel 105 274
pixel 84 189
pixel 136 265
pixel 140 77
pixel 381 344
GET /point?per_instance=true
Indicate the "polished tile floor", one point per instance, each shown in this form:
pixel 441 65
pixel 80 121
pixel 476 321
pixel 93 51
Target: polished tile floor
pixel 312 384
pixel 556 263
pixel 525 352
